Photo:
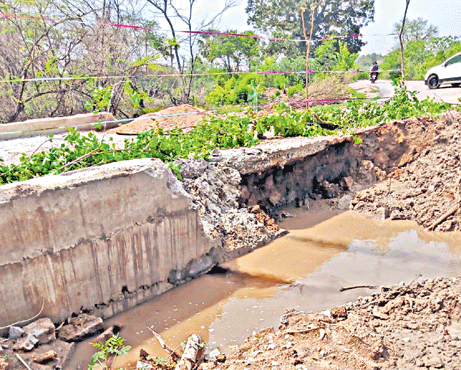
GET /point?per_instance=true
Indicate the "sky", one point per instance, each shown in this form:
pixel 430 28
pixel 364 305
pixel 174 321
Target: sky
pixel 445 14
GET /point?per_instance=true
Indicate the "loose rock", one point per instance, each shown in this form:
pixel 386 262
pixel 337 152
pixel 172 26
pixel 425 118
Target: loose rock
pixel 45 357
pixel 15 333
pixel 26 343
pixel 3 364
pixel 81 327
pixel 42 329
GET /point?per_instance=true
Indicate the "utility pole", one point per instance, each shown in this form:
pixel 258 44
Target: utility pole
pixel 308 45
pixel 401 41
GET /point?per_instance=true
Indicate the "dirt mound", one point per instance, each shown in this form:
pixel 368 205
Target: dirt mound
pixel 403 327
pixel 183 116
pixel 426 185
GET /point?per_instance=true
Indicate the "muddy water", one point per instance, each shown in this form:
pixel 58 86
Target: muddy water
pixel 303 270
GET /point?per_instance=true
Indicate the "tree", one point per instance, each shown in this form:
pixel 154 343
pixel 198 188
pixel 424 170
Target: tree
pixel 421 55
pixel 66 41
pixel 329 59
pixel 171 9
pixel 333 17
pixel 415 30
pixel 233 52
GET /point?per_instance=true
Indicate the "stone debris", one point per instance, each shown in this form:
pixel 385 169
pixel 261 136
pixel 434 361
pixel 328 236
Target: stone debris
pixel 213 354
pixel 81 327
pixel 44 352
pixel 3 363
pixel 140 365
pixel 26 343
pixel 15 332
pixel 42 329
pixel 45 357
pixel 215 191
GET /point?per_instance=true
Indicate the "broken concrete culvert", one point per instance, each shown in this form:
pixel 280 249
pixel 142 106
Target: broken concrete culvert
pixel 117 235
pixel 159 232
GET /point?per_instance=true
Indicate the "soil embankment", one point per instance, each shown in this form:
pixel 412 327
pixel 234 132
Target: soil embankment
pixel 425 186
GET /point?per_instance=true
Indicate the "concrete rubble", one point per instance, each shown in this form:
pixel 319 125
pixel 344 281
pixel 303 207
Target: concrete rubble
pixel 42 329
pixel 44 348
pixel 81 327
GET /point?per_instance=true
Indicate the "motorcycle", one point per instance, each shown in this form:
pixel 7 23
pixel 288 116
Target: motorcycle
pixel 373 77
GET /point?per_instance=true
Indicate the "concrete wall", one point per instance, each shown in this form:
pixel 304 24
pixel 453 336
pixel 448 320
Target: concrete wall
pixel 103 238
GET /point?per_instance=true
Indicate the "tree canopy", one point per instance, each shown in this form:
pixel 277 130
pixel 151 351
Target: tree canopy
pixel 232 52
pixel 416 29
pixel 333 17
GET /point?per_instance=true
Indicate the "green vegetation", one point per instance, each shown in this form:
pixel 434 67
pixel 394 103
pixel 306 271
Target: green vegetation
pixel 223 73
pixel 421 55
pixel 422 50
pixel 129 71
pixel 82 151
pixel 108 351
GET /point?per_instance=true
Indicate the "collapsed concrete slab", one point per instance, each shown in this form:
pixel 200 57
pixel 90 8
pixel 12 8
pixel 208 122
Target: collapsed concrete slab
pixel 103 238
pixel 106 238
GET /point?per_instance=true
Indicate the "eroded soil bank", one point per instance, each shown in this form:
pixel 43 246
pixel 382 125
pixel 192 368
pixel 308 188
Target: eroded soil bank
pixel 402 327
pixel 426 185
pixel 238 188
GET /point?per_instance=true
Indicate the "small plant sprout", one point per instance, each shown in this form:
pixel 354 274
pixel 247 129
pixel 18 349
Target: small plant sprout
pixel 108 352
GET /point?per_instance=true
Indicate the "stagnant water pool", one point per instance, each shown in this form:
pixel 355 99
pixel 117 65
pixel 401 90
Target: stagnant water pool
pixel 304 270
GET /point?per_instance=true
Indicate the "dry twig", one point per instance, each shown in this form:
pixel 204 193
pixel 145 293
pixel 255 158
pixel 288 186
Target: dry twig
pixel 358 287
pixel 302 331
pixel 22 361
pixel 189 358
pixel 80 158
pixel 451 211
pixel 165 346
pixel 324 124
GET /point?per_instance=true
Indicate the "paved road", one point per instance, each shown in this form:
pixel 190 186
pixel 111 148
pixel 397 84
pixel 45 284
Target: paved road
pixel 446 93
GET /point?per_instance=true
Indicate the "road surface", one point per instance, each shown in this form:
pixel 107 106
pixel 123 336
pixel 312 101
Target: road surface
pixel 385 89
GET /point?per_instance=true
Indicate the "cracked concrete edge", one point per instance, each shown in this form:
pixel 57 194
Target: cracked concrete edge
pixel 281 152
pixel 152 167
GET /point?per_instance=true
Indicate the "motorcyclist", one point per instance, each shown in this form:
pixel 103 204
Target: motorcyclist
pixel 374 69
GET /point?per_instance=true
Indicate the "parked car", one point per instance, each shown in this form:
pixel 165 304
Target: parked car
pixel 447 72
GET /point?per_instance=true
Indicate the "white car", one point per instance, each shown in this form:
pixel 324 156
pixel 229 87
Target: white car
pixel 447 72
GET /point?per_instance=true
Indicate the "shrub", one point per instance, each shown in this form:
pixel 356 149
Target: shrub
pixel 295 89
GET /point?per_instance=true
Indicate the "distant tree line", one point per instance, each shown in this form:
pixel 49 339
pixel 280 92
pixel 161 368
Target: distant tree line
pixel 131 69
